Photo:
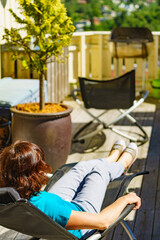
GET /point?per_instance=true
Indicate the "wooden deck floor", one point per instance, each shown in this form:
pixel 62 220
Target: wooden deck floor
pixel 145 222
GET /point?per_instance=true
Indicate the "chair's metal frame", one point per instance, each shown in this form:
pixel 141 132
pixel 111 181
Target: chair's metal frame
pixel 103 125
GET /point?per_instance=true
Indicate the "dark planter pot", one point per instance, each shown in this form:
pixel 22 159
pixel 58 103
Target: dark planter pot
pixel 50 131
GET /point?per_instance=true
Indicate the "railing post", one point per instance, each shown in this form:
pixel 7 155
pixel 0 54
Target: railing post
pixel 82 56
pixel 117 67
pixel 0 61
pixel 153 59
pixel 143 73
pixel 100 55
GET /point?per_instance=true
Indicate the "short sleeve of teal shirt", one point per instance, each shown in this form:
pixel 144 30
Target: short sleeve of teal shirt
pixel 56 208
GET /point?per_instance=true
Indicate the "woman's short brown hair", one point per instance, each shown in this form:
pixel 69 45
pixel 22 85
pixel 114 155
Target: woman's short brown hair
pixel 23 167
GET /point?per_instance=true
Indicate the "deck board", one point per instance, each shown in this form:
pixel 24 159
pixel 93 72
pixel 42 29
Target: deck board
pixel 145 222
pixel 147 215
pixel 139 165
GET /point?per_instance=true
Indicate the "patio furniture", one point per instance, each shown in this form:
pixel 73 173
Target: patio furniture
pixel 131 42
pixel 118 93
pixel 20 215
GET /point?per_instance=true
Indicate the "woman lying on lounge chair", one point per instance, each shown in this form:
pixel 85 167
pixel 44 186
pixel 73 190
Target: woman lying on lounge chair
pixel 75 200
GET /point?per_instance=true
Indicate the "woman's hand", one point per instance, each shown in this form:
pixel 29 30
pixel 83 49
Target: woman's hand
pixel 112 212
pixel 133 198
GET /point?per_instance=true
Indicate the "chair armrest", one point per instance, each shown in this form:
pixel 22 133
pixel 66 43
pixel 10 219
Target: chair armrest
pixel 100 234
pixel 124 213
pixel 128 179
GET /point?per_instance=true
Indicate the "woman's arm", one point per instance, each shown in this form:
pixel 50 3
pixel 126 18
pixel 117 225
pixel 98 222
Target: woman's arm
pixel 102 220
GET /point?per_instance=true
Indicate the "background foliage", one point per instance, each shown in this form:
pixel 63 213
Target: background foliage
pixel 146 13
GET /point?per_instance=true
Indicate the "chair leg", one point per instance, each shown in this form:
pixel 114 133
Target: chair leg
pixel 128 230
pixel 143 135
pixel 76 137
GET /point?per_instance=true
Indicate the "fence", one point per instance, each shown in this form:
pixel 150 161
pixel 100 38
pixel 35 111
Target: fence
pixel 57 79
pixel 90 56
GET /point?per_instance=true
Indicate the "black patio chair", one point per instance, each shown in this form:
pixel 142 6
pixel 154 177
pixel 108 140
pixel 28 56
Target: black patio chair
pixel 20 215
pixel 117 93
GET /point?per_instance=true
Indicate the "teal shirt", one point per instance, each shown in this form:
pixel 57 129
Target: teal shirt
pixel 56 208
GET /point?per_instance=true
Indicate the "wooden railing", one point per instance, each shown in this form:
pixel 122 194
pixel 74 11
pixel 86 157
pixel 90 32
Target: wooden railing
pixel 58 86
pixel 90 55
